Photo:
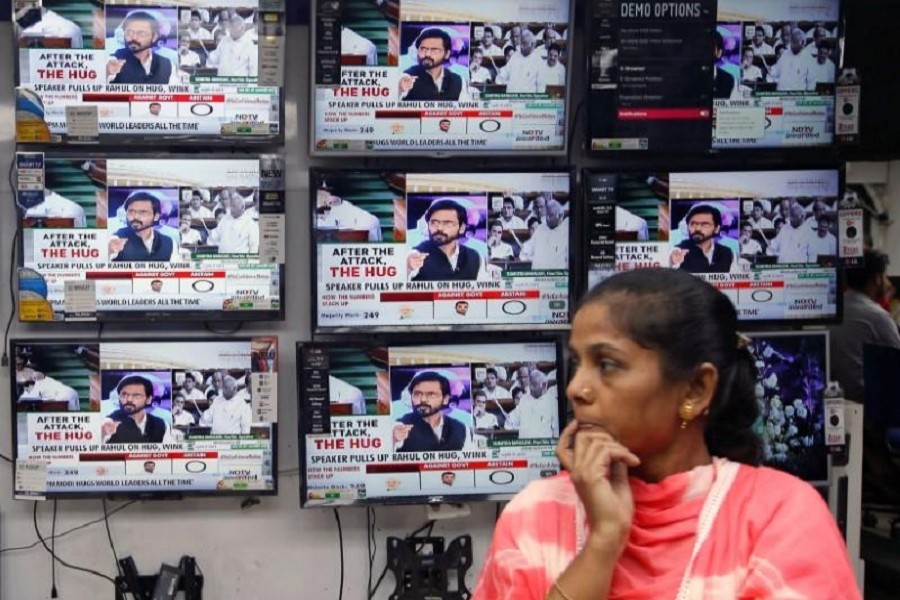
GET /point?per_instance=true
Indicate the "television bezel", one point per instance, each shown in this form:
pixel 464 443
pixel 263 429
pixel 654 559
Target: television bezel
pixel 362 343
pixel 575 221
pixel 747 324
pixel 567 133
pixel 126 494
pixel 145 315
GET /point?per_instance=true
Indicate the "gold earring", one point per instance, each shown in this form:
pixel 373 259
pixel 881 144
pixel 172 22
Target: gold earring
pixel 686 412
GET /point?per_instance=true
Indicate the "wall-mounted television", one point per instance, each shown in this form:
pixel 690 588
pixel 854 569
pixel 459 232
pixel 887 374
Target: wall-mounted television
pixel 415 251
pixel 160 72
pixel 150 238
pixel 385 423
pixel 792 374
pixel 712 74
pixel 161 418
pixel 767 239
pixel 440 77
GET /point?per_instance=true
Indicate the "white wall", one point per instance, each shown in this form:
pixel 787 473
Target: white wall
pixel 882 178
pixel 273 550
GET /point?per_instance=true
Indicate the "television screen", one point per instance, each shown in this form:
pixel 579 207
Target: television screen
pixel 712 74
pixel 792 373
pixel 445 77
pixel 145 418
pixel 427 423
pixel 160 70
pixel 418 250
pixel 126 238
pixel 767 239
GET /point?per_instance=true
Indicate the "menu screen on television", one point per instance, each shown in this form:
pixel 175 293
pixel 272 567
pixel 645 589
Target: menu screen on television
pixel 161 418
pixel 369 416
pixel 792 373
pixel 419 250
pixel 445 77
pixel 158 70
pixel 173 239
pixel 767 239
pixel 695 75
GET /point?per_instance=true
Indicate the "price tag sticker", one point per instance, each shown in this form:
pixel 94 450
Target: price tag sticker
pixel 31 479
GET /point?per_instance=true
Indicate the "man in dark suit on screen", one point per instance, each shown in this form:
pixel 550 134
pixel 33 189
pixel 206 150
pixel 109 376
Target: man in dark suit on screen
pixel 427 428
pixel 430 80
pixel 137 62
pixel 700 253
pixel 442 257
pixel 131 423
pixel 724 83
pixel 140 241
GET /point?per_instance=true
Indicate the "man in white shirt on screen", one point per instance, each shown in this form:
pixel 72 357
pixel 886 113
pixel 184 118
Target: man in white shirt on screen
pixel 181 417
pixel 524 67
pixel 341 392
pixel 356 45
pixel 186 56
pixel 55 206
pixel 238 232
pixel 759 45
pixel 196 209
pixel 42 387
pixel 551 240
pixel 488 47
pixel 552 72
pixel 189 389
pixel 822 69
pixel 792 71
pixel 627 221
pixel 236 55
pixel 492 390
pixel 508 218
pixel 54 26
pixel 483 419
pixel 749 71
pixel 497 248
pixel 795 241
pixel 194 29
pixel 824 244
pixel 229 413
pixel 819 35
pixel 757 220
pixel 537 415
pixel 478 73
pixel 189 236
pixel 342 214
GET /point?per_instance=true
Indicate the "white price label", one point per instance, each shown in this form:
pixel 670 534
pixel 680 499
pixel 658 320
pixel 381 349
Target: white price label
pixel 31 479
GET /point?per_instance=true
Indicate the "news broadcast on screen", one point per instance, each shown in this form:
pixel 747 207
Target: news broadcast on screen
pixel 712 74
pixel 767 239
pixel 170 418
pixel 159 70
pixel 174 239
pixel 450 77
pixel 406 250
pixel 368 416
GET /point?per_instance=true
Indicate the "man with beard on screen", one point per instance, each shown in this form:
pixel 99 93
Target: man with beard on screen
pixel 137 62
pixel 131 423
pixel 700 253
pixel 442 257
pixel 429 79
pixel 427 428
pixel 140 241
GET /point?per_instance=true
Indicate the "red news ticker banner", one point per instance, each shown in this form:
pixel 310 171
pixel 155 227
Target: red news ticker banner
pixel 747 285
pixel 155 275
pixel 474 295
pixel 99 457
pixel 472 465
pixel 418 114
pixel 104 97
pixel 664 114
pixel 774 111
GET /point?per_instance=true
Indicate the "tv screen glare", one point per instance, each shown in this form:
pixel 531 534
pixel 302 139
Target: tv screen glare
pixel 368 414
pixel 160 238
pixel 441 77
pixel 712 74
pixel 145 418
pixel 399 250
pixel 767 239
pixel 792 373
pixel 163 71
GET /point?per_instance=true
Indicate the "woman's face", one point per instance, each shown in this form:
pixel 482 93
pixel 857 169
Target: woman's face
pixel 618 385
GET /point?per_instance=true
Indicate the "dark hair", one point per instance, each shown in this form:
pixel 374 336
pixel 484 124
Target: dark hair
pixel 554 47
pixel 496 223
pixel 156 281
pixel 448 473
pixel 135 379
pixel 210 394
pixel 760 28
pixel 490 371
pixel 422 376
pixel 718 41
pixel 219 211
pixel 874 264
pixel 458 302
pixel 509 200
pixel 532 221
pixel 705 209
pixel 759 204
pixel 434 32
pixel 448 204
pixel 688 322
pixel 189 376
pixel 142 15
pixel 146 197
pixel 195 13
pixel 479 392
pixel 509 49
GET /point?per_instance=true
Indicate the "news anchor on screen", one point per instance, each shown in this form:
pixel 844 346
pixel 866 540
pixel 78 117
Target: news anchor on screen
pixel 427 428
pixel 442 257
pixel 700 253
pixel 131 423
pixel 137 62
pixel 430 79
pixel 140 241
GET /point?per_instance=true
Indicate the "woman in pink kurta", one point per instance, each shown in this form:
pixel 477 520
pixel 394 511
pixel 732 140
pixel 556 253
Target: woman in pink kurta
pixel 663 384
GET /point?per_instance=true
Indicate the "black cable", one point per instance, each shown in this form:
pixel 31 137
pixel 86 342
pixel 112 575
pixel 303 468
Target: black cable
pixel 61 561
pixel 430 527
pixel 337 518
pixel 6 458
pixel 371 544
pixel 4 359
pixel 110 538
pixel 572 129
pixel 72 530
pixel 53 592
pixel 497 514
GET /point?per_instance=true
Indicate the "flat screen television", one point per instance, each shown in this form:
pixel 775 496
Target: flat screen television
pixel 160 72
pixel 107 238
pixel 711 74
pixel 439 77
pixel 792 373
pixel 767 239
pixel 415 251
pixel 162 418
pixel 368 413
